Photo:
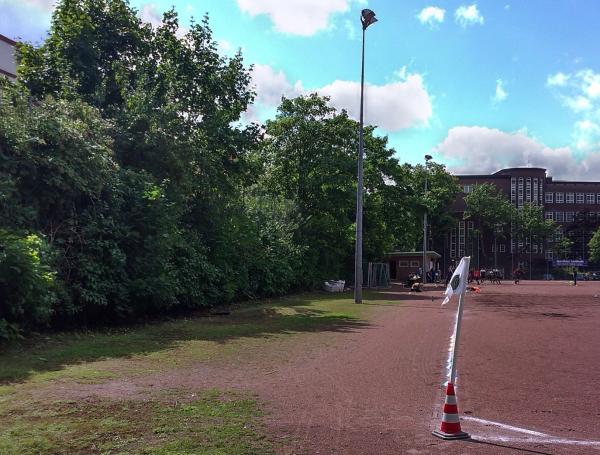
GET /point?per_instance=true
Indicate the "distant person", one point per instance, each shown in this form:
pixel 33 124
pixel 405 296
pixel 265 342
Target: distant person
pixel 476 275
pixel 517 275
pixel 449 273
pixel 574 277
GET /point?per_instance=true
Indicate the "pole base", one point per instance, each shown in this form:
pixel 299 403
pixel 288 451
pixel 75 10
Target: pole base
pixel 451 436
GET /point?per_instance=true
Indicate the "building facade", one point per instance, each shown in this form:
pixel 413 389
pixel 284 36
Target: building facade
pixel 8 65
pixel 574 206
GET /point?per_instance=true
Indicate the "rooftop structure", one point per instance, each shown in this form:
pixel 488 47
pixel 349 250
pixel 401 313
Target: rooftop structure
pixel 8 65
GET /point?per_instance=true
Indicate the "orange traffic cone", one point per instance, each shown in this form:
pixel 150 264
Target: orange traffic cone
pixel 450 421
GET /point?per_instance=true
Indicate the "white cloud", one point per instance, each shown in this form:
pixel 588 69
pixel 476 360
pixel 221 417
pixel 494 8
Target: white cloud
pixel 586 134
pixel 558 80
pixel 394 106
pixel 224 47
pixel 149 13
pixel 431 15
pixel 580 92
pixel 297 17
pixel 477 149
pixel 271 85
pixel 500 94
pixel 577 103
pixel 47 5
pixel 590 83
pixel 468 15
pixel 351 30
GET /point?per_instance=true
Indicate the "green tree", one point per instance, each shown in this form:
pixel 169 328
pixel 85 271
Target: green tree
pixel 594 246
pixel 442 189
pixel 562 248
pixel 490 212
pixel 530 227
pixel 309 157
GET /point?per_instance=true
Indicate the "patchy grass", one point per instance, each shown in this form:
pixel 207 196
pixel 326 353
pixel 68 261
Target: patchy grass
pixel 178 424
pixel 36 372
pixel 89 356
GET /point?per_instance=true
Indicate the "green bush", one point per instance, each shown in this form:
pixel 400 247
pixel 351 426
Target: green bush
pixel 27 283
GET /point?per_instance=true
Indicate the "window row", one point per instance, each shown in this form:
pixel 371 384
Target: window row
pixel 568 217
pixel 572 198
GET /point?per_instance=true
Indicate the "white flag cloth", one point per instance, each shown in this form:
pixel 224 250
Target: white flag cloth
pixel 458 282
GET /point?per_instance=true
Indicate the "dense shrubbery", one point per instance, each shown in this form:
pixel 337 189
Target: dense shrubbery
pixel 129 187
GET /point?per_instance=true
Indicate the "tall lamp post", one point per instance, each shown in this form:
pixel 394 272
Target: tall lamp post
pixel 424 273
pixel 367 17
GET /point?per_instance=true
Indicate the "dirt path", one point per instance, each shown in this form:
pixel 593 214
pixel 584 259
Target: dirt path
pixel 529 360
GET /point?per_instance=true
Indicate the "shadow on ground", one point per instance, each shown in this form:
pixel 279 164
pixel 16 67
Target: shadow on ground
pixel 312 313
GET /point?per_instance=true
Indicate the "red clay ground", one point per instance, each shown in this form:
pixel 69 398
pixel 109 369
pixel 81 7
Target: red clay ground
pixel 529 358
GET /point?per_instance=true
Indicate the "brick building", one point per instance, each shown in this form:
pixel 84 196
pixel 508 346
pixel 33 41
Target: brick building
pixel 575 206
pixel 8 66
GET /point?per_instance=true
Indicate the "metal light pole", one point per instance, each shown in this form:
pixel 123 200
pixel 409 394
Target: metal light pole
pixel 424 273
pixel 367 17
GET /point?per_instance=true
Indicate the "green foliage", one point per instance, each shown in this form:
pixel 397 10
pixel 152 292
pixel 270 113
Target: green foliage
pixel 122 147
pixel 594 246
pixel 490 212
pixel 563 247
pixel 530 223
pixel 28 290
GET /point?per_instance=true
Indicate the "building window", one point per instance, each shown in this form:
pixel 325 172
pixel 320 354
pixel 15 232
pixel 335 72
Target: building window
pixel 502 248
pixel 415 264
pixel 402 263
pixel 549 215
pixel 520 191
pixel 580 198
pixel 461 238
pixel 549 255
pixel 513 190
pixel 549 198
pixel 535 191
pixel 569 216
pixel 597 198
pixel 558 235
pixel 570 198
pixel 559 217
pixel 535 248
pixel 590 198
pixel 528 189
pixel 467 188
pixel 560 198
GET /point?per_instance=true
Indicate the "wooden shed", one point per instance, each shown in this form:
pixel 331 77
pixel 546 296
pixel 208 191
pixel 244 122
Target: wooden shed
pixel 404 262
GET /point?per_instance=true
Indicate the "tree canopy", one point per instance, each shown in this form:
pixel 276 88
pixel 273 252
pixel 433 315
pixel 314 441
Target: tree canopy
pixel 131 184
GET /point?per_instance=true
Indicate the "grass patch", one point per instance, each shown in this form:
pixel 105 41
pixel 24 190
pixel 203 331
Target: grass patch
pixel 89 356
pixel 214 422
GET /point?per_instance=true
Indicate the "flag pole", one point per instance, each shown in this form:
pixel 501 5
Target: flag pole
pixel 458 322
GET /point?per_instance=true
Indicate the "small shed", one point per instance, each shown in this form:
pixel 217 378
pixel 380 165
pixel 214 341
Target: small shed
pixel 404 262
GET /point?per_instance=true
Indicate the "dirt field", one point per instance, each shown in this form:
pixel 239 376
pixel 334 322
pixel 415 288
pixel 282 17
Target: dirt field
pixel 528 372
pixel 529 359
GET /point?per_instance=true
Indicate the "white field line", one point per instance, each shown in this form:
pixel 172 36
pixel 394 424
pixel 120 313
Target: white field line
pixel 506 427
pixel 536 436
pixel 537 440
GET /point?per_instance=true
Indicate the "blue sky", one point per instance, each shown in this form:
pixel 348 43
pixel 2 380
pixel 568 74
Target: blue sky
pixel 479 85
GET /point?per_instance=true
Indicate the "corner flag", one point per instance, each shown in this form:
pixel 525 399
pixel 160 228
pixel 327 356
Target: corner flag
pixel 458 282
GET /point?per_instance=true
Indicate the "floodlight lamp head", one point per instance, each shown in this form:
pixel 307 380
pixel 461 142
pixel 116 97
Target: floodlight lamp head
pixel 367 17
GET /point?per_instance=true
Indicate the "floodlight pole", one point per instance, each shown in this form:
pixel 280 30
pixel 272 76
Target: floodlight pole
pixel 424 272
pixel 367 18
